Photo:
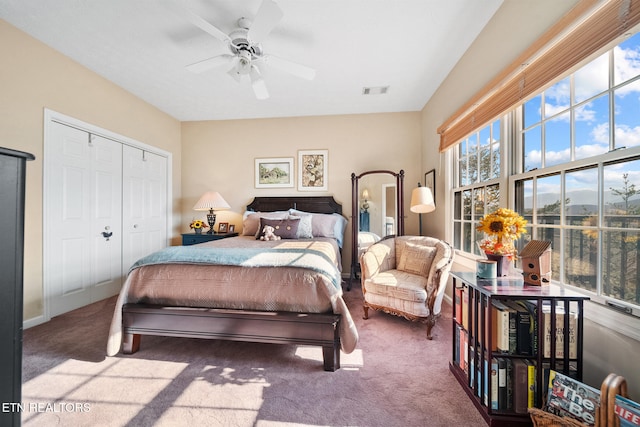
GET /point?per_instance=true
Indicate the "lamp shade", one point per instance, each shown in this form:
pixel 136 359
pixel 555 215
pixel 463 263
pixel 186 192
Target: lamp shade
pixel 365 194
pixel 422 200
pixel 211 200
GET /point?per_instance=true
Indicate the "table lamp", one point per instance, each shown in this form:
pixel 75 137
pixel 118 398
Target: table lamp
pixel 211 201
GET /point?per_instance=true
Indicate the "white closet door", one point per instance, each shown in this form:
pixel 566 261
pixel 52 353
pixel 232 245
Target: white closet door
pixel 144 209
pixel 84 187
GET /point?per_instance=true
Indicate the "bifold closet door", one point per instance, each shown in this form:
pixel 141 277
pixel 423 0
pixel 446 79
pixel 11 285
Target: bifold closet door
pixel 144 204
pixel 84 231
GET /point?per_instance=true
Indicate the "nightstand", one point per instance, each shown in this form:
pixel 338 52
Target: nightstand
pixel 193 238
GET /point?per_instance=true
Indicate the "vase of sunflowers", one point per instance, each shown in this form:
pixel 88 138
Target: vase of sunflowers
pixel 502 228
pixel 198 225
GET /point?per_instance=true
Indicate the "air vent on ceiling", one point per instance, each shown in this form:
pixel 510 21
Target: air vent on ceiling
pixel 377 90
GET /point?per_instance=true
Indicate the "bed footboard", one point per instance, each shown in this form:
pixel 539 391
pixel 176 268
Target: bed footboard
pixel 238 325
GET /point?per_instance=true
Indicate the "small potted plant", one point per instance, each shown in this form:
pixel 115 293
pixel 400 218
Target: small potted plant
pixel 502 228
pixel 197 225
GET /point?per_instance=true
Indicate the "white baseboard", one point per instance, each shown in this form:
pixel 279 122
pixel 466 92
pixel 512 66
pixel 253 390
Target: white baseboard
pixel 34 321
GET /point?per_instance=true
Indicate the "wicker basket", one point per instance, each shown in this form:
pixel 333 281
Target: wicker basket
pixel 542 418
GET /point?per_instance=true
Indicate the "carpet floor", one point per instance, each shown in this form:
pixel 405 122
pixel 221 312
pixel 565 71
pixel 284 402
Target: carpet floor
pixel 395 377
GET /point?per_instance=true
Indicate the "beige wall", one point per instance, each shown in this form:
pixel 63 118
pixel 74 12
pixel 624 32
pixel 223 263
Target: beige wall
pixel 34 77
pixel 512 29
pixel 219 156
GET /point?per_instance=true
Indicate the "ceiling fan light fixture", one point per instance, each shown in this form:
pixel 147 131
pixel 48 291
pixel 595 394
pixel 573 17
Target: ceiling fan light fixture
pixel 375 90
pixel 245 49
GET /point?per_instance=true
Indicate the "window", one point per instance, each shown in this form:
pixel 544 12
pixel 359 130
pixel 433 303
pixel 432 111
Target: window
pixel 478 190
pixel 575 175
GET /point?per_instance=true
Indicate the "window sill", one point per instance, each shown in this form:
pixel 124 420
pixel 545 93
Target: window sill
pixel 624 324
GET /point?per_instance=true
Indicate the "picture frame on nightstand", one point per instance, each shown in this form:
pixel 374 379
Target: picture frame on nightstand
pixel 232 228
pixel 223 227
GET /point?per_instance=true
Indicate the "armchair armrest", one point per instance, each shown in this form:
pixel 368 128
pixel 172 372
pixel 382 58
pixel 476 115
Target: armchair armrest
pixel 377 258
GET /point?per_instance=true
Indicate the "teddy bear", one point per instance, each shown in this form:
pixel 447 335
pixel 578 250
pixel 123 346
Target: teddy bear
pixel 268 233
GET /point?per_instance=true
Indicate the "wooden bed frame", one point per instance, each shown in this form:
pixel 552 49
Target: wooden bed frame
pixel 319 329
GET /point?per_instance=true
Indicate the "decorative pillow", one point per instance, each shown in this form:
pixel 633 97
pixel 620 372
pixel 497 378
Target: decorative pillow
pixel 325 225
pixel 321 224
pixel 304 226
pixel 416 259
pixel 251 220
pixel 284 228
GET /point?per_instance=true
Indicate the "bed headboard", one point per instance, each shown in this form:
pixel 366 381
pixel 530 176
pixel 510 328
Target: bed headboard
pixel 319 204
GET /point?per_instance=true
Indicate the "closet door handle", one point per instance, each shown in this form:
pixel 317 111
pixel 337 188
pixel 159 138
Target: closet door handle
pixel 107 235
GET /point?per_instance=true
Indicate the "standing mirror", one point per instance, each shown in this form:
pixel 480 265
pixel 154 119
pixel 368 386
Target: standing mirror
pixel 377 211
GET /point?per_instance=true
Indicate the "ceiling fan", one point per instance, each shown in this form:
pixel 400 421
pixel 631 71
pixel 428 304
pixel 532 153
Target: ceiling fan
pixel 246 53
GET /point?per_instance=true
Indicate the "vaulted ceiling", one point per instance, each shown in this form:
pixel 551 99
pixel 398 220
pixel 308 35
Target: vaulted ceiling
pixel 144 47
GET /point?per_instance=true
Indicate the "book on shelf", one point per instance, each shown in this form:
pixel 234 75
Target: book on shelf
pixel 502 382
pixel 485 395
pixel 567 397
pixel 456 341
pixel 507 325
pixel 532 308
pixel 464 350
pixel 472 367
pixel 465 308
pixel 492 328
pixel 458 297
pixel 531 384
pixel 494 383
pixel 520 386
pixel 560 332
pixel 524 328
pixel 510 384
pixel 628 412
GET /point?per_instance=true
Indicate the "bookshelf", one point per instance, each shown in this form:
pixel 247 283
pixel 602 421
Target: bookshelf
pixel 490 347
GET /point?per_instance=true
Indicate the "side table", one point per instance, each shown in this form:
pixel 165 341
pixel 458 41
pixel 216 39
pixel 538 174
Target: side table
pixel 193 238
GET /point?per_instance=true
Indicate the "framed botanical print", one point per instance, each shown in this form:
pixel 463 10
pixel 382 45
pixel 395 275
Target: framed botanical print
pixel 274 172
pixel 313 170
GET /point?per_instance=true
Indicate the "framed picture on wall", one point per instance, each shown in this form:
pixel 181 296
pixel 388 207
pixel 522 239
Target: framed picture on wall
pixel 313 170
pixel 430 181
pixel 274 172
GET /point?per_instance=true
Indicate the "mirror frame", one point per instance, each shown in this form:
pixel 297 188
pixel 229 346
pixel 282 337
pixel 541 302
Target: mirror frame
pixel 355 213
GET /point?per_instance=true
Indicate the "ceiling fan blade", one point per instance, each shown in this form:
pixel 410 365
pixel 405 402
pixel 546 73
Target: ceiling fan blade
pixel 268 16
pixel 290 67
pixel 207 27
pixel 207 64
pixel 258 84
pixel 233 72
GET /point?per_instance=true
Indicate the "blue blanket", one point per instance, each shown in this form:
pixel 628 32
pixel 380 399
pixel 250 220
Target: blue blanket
pixel 246 257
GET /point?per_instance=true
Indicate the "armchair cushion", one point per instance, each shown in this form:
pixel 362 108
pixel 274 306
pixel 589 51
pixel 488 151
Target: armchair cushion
pixel 416 259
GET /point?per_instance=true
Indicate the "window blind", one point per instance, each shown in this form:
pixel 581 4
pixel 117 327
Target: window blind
pixel 586 29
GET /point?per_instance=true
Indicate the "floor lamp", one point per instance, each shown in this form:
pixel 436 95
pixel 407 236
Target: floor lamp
pixel 422 202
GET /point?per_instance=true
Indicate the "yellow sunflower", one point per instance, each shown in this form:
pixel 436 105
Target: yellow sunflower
pixel 198 223
pixel 502 227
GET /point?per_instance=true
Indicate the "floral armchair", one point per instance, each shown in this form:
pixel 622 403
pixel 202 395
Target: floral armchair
pixel 406 276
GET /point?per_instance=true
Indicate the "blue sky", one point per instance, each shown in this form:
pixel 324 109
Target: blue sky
pixel 591 122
